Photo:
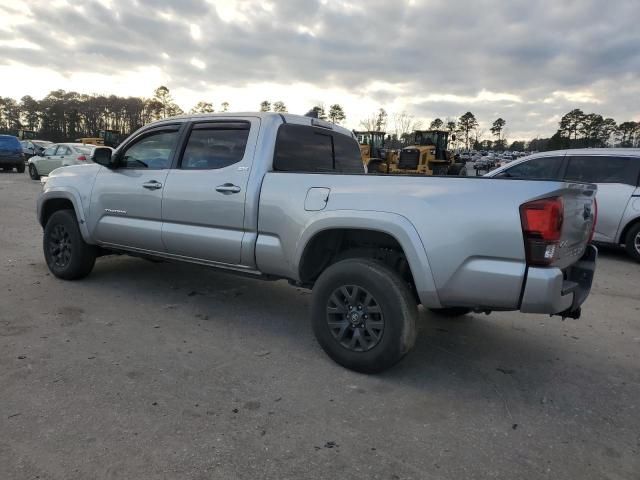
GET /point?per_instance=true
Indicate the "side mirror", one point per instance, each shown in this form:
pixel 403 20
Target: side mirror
pixel 102 156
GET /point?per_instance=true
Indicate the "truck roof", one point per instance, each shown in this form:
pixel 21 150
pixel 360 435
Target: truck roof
pixel 286 117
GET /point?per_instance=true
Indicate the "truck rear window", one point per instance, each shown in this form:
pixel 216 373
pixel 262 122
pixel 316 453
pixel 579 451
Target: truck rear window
pixel 301 148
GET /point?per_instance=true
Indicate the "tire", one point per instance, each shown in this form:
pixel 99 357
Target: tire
pixel 20 168
pixel 33 172
pixel 451 312
pixel 383 313
pixel 632 242
pixel 67 255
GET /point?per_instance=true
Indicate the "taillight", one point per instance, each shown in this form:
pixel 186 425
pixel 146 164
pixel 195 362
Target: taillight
pixel 82 158
pixel 542 228
pixel 595 219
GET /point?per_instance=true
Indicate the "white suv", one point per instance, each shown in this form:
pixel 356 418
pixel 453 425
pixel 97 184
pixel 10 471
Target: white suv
pixel 616 171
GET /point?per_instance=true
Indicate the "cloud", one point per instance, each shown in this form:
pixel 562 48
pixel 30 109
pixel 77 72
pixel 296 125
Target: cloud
pixel 524 61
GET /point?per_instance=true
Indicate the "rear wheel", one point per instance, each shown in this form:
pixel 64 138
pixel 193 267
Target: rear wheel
pixel 632 242
pixel 33 172
pixel 363 315
pixel 68 256
pixel 20 168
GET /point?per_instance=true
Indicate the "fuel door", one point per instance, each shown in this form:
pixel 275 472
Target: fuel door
pixel 317 198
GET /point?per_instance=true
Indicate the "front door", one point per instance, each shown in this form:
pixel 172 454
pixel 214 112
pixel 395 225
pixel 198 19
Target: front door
pixel 52 159
pixel 126 202
pixel 203 206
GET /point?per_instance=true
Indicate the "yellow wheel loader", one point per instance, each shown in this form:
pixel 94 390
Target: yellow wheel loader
pixel 428 155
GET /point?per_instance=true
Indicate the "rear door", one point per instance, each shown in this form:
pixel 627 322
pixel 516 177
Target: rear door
pixel 56 160
pixel 203 206
pixel 616 177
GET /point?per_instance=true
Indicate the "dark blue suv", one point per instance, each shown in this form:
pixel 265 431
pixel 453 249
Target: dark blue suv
pixel 11 155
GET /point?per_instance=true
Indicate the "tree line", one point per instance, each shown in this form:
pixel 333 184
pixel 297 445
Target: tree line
pixel 63 116
pixel 575 130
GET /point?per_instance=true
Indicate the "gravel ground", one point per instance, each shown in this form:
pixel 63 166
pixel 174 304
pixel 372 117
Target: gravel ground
pixel 166 371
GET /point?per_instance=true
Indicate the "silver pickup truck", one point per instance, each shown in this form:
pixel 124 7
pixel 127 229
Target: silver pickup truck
pixel 281 196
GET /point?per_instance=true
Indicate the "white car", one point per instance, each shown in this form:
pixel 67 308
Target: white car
pixel 616 171
pixel 59 155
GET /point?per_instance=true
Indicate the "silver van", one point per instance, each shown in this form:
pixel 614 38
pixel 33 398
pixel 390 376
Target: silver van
pixel 616 171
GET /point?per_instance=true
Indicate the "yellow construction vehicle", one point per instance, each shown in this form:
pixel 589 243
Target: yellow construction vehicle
pixel 111 138
pixel 27 134
pixel 91 141
pixel 373 152
pixel 370 144
pixel 428 155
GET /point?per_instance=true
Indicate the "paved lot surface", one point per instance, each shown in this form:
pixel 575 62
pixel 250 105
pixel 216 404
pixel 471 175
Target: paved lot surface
pixel 167 371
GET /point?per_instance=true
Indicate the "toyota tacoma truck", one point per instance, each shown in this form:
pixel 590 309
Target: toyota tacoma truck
pixel 280 196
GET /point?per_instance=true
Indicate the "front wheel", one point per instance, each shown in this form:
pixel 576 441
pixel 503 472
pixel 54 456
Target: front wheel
pixel 363 315
pixel 33 172
pixel 632 242
pixel 67 255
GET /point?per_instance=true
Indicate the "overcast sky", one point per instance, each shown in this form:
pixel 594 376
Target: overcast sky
pixel 525 61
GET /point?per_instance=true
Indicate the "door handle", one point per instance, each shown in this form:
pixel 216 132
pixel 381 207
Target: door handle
pixel 228 188
pixel 152 185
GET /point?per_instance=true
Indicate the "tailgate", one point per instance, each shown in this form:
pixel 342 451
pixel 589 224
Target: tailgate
pixel 579 217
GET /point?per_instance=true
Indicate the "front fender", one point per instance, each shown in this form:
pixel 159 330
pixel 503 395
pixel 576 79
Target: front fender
pixel 397 226
pixel 66 193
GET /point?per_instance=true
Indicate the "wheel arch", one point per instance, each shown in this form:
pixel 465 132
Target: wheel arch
pixel 375 230
pixel 54 200
pixel 630 224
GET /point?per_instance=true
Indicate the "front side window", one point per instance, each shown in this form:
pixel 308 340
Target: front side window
pixel 601 169
pixel 215 146
pixel 545 168
pixel 153 151
pixel 50 151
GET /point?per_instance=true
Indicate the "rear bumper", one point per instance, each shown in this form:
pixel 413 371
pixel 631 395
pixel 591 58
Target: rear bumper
pixel 11 161
pixel 554 291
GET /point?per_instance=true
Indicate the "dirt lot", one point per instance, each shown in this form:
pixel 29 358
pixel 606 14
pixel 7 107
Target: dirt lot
pixel 170 371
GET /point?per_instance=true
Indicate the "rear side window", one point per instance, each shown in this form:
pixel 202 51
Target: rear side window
pixel 601 169
pixel 539 168
pixel 63 150
pixel 300 148
pixel 347 154
pixel 213 146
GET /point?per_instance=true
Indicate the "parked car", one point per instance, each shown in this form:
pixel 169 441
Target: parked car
pixel 280 196
pixel 616 171
pixel 59 155
pixel 34 147
pixel 11 155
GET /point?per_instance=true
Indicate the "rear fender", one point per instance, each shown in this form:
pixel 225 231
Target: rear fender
pixel 395 225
